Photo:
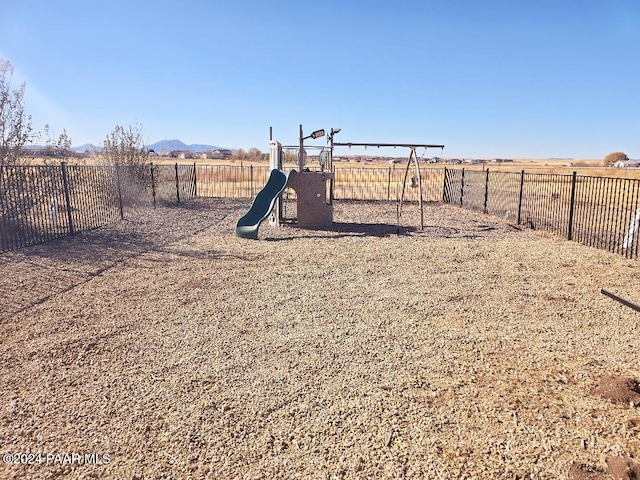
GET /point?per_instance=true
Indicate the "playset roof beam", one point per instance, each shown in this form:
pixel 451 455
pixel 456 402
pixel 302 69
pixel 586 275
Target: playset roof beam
pixel 399 145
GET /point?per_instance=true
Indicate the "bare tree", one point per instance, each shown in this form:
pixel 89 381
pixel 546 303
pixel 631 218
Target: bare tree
pixel 254 154
pixel 125 146
pixel 239 154
pixel 290 156
pixel 124 149
pixel 63 145
pixel 59 148
pixel 15 124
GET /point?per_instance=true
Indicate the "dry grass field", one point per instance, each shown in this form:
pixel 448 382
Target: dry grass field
pixel 472 349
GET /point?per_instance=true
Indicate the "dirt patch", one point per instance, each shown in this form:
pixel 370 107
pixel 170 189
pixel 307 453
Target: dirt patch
pixel 586 472
pixel 617 468
pixel 623 468
pixel 619 389
pixel 467 350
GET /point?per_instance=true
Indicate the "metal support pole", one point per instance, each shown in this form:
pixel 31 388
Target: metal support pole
pixel 67 196
pixel 623 301
pixel 520 197
pixel 330 167
pixel 486 192
pixel 462 188
pixel 404 184
pixel 153 186
pixel 177 184
pixel 572 206
pixel 301 150
pixel 119 191
pixel 415 159
pixel 195 183
pixel 445 197
pixel 251 179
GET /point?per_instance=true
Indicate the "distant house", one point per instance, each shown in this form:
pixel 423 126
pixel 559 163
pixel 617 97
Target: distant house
pixel 626 164
pixel 181 154
pixel 220 154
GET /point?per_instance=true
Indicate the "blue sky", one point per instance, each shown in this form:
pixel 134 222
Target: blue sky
pixel 519 79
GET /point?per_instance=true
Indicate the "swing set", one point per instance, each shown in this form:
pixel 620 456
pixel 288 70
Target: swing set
pixel 413 159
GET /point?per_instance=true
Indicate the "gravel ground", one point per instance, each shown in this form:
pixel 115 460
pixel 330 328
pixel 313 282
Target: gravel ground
pixel 171 349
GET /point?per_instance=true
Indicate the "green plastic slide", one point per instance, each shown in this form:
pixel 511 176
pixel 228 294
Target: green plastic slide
pixel 247 226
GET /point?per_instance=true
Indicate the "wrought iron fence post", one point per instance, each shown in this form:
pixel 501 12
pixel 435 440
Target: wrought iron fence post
pixel 177 184
pixel 486 191
pixel 462 188
pixel 520 196
pixel 251 179
pixel 153 186
pixel 195 183
pixel 119 191
pixel 67 196
pixel 572 206
pixel 445 198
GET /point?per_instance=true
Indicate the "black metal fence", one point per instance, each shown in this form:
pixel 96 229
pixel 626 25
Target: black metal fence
pixel 600 212
pixel 39 203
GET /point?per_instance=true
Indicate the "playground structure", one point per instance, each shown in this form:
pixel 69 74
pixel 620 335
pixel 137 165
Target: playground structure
pixel 314 203
pixel 313 189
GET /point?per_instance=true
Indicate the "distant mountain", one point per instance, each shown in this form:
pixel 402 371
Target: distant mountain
pixel 79 148
pixel 87 146
pixel 169 145
pixel 161 146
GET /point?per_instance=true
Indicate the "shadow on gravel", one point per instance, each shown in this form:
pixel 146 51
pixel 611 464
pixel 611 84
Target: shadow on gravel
pixel 206 254
pixel 93 247
pixel 340 230
pixel 150 231
pixel 206 205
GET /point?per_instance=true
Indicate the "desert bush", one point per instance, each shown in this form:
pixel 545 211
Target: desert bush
pixel 124 150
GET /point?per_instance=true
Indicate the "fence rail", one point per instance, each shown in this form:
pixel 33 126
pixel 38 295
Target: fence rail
pixel 40 203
